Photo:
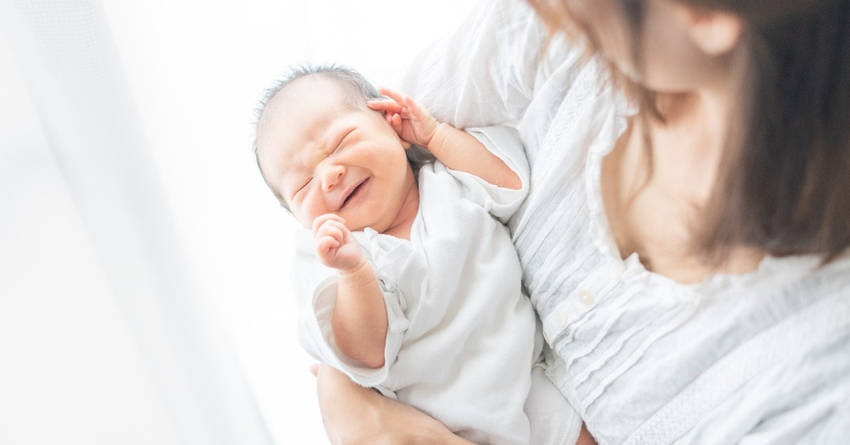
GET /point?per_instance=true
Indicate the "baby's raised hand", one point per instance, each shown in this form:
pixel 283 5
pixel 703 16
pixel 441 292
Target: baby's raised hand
pixel 413 123
pixel 335 244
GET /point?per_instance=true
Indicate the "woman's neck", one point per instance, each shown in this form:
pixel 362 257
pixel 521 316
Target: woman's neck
pixel 656 196
pixel 693 137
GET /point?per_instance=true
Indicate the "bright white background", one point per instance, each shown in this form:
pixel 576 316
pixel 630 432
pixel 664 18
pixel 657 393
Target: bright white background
pixel 69 370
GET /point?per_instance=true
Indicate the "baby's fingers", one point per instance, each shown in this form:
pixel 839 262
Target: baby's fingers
pixel 416 112
pixel 326 248
pixel 322 219
pixel 396 122
pixel 326 244
pixel 392 94
pixel 385 105
pixel 332 229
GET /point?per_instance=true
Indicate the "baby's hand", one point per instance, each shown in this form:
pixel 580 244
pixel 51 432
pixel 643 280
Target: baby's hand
pixel 413 123
pixel 335 244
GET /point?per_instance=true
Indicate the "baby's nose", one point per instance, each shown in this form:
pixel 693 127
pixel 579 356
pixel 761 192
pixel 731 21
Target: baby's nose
pixel 331 176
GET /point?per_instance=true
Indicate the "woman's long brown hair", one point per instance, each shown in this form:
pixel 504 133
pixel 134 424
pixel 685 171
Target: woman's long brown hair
pixel 784 179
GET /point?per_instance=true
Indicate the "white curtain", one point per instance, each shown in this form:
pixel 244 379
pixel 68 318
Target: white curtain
pixel 74 76
pixel 143 265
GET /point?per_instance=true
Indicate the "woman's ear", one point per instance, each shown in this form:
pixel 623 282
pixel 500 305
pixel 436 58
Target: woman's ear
pixel 714 32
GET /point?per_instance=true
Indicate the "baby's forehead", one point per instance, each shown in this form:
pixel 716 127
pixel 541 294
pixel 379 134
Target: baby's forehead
pixel 306 100
pixel 332 92
pixel 306 114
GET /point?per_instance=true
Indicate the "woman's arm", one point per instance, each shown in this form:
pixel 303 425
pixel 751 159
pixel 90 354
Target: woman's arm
pixel 355 415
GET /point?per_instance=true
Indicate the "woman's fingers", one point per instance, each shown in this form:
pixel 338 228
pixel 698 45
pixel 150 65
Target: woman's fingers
pixel 584 438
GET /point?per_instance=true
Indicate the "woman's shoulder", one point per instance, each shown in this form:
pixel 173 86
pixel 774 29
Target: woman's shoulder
pixel 803 278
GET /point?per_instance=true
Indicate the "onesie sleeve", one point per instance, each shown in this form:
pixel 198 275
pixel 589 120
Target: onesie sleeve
pixel 314 286
pixel 501 202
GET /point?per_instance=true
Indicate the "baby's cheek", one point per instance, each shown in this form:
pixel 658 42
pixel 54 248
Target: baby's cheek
pixel 305 212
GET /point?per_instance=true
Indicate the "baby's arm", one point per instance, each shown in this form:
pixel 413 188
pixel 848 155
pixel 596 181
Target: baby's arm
pixel 359 318
pixel 455 148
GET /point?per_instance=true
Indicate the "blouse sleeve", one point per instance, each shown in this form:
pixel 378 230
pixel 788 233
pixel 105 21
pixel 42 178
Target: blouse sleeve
pixel 835 428
pixel 812 416
pixel 315 289
pixel 487 72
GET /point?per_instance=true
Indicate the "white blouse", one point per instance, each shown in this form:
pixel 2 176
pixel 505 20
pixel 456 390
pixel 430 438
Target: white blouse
pixel 762 357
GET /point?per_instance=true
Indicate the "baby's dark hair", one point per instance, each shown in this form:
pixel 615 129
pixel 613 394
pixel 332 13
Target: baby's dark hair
pixel 357 90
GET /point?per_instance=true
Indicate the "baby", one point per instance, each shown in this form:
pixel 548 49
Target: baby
pixel 408 281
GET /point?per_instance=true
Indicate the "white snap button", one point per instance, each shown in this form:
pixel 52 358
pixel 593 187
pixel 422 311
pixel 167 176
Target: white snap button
pixel 618 268
pixel 585 297
pixel 563 317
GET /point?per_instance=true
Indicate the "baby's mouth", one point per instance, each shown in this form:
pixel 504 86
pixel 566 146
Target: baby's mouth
pixel 353 193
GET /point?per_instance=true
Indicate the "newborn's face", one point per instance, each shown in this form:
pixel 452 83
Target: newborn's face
pixel 322 157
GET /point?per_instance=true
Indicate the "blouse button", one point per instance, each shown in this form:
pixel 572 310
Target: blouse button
pixel 585 297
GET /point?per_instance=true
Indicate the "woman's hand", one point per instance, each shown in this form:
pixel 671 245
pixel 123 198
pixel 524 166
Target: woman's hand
pixel 584 438
pixel 356 415
pixel 413 123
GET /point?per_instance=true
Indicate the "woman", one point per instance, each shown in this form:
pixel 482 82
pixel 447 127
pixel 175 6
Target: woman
pixel 685 241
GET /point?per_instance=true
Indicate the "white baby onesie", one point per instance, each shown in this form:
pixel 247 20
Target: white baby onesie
pixel 462 337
